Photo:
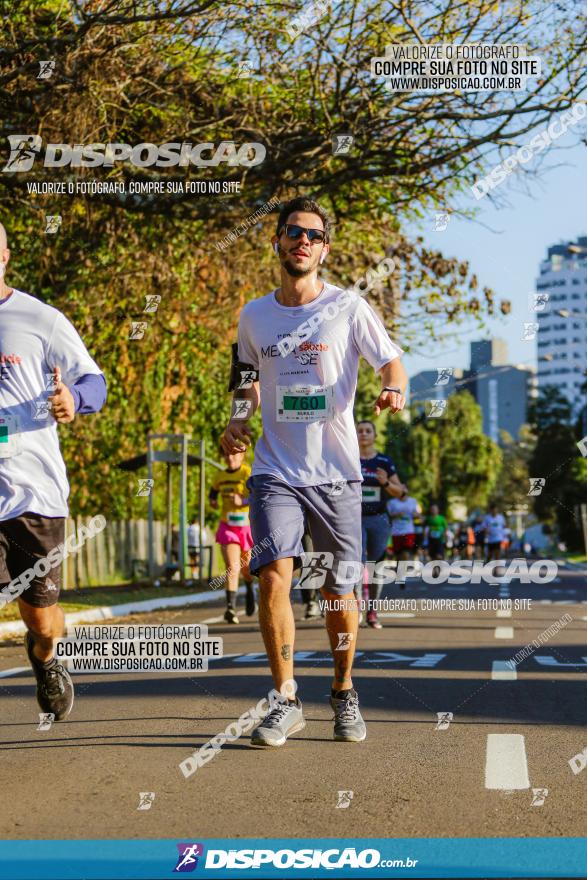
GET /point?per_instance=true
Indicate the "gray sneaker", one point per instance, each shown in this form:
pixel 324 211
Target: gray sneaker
pixel 348 723
pixel 282 720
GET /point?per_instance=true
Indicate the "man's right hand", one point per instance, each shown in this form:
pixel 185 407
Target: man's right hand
pixel 236 438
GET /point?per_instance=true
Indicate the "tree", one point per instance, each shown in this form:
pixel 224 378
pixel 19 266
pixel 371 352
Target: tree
pixel 511 487
pixel 449 456
pixel 159 71
pixel 556 459
pixel 151 69
pixel 368 388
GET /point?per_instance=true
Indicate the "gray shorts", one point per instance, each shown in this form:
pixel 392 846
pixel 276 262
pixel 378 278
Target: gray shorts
pixel 331 513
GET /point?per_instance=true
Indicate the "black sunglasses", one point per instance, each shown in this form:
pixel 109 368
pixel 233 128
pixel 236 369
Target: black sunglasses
pixel 293 231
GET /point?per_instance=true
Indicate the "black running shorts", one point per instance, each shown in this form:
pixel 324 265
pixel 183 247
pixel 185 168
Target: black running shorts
pixel 24 541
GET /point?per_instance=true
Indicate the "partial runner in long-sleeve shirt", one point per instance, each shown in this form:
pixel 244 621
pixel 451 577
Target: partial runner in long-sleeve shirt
pixel 89 393
pixel 47 377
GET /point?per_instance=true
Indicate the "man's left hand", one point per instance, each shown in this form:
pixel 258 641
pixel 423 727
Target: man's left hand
pixel 394 400
pixel 62 403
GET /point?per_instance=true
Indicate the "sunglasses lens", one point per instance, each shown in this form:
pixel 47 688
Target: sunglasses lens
pixel 293 231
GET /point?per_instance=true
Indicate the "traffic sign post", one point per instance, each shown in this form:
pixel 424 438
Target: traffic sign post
pixel 174 454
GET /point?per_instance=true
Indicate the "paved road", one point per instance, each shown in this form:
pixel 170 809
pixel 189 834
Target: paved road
pixel 128 733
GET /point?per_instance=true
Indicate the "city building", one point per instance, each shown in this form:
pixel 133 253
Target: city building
pixel 502 390
pixel 561 314
pixel 434 384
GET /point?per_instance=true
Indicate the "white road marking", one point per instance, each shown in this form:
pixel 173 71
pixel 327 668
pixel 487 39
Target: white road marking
pixel 8 673
pixel 396 614
pixel 425 661
pixel 504 612
pixel 213 619
pixel 502 671
pixel 224 657
pixel 504 632
pixel 552 661
pixel 506 766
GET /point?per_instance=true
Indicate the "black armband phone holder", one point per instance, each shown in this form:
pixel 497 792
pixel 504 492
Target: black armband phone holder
pixel 241 375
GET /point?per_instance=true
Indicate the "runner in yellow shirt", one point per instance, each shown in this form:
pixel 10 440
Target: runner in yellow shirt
pixel 234 531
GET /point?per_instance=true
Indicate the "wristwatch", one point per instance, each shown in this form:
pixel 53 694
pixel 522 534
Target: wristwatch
pixel 392 388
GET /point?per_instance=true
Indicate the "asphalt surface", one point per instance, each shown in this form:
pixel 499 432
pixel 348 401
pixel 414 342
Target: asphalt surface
pixel 128 732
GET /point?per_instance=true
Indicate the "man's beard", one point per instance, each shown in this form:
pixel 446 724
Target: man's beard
pixel 294 271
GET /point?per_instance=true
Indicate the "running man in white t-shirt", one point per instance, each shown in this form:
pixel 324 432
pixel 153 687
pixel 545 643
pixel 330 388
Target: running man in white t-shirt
pixel 46 378
pixel 494 525
pixel 305 340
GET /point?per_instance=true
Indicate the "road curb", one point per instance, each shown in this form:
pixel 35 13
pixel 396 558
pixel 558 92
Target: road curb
pixel 105 612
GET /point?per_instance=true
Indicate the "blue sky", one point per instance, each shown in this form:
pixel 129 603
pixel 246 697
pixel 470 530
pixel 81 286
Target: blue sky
pixel 506 250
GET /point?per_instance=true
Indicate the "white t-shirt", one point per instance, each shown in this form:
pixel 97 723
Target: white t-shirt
pixel 34 339
pixel 193 535
pixel 408 508
pixel 494 528
pixel 307 397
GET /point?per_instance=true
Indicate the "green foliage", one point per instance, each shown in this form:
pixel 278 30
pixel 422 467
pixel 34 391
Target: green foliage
pixel 159 72
pixel 511 489
pixel 368 388
pixel 450 456
pixel 557 459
